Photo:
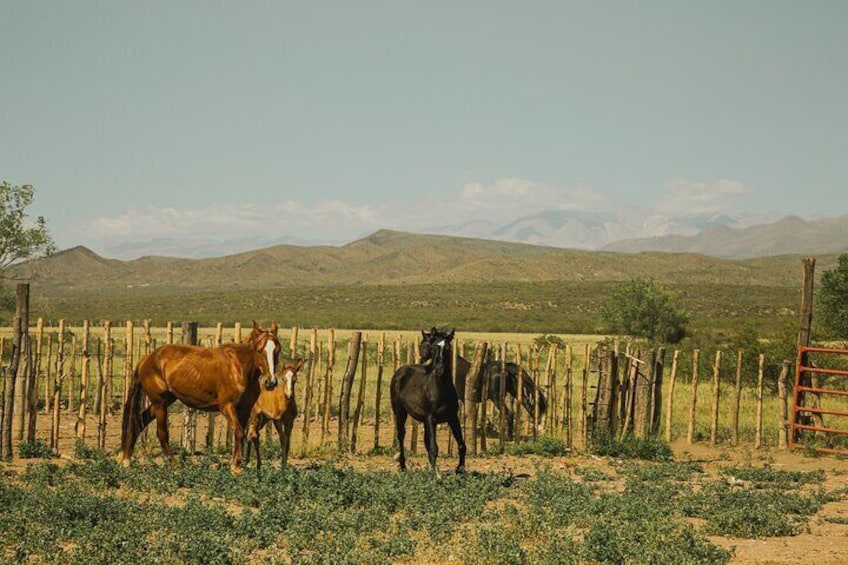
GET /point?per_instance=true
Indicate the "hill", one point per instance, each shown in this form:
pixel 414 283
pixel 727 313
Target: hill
pixel 394 258
pixel 791 235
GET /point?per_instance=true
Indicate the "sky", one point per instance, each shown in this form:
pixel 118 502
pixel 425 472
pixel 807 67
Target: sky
pixel 329 120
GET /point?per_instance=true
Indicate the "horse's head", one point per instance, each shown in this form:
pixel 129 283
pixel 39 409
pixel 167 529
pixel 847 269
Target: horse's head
pixel 290 374
pixel 267 347
pixel 435 346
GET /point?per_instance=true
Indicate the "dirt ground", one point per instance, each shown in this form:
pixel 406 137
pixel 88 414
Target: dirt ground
pixel 824 543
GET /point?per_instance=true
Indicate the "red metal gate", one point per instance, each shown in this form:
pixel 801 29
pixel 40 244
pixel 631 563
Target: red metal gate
pixel 804 391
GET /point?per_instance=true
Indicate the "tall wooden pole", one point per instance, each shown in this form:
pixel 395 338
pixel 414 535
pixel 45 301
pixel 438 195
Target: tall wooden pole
pixel 716 398
pixel 737 399
pixel 758 434
pixel 378 395
pixel 102 382
pixel 83 407
pixel 58 376
pixel 690 433
pixel 19 332
pixel 310 381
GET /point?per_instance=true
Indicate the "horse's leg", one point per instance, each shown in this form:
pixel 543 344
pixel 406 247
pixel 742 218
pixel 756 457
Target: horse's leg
pixel 231 414
pixel 460 443
pixel 283 432
pixel 400 426
pixel 430 442
pixel 160 412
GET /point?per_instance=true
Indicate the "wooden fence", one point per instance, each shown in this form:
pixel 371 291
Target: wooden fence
pixel 73 380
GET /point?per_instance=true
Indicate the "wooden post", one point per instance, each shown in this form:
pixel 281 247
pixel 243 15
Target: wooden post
pixel 519 396
pixel 211 416
pixel 471 384
pixel 328 383
pixel 550 386
pixel 658 371
pixel 670 400
pixel 536 354
pixel 808 399
pixel 346 389
pixel 690 433
pixel 758 434
pixel 19 332
pixel 189 337
pixel 293 343
pixel 484 404
pixel 568 394
pixel 128 360
pixel 72 373
pixel 48 374
pixel 83 407
pixel 783 431
pixel 57 389
pixel 378 396
pixel 106 370
pixel 502 423
pixel 21 381
pixel 716 398
pixel 584 414
pixel 32 404
pixel 642 398
pixel 360 398
pixel 169 333
pixel 307 399
pixel 737 399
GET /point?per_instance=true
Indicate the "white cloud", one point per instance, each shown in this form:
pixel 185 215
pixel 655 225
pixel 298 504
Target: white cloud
pixel 512 197
pixel 695 197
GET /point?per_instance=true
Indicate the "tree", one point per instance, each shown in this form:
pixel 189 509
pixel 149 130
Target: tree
pixel 642 308
pixel 19 239
pixel 833 299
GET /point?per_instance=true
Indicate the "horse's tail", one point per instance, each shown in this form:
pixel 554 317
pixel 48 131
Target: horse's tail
pixel 132 422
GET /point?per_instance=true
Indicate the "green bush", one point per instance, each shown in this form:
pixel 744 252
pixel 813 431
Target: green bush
pixel 34 450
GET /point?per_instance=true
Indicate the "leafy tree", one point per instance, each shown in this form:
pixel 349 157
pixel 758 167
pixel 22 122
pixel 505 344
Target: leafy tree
pixel 19 238
pixel 642 308
pixel 833 299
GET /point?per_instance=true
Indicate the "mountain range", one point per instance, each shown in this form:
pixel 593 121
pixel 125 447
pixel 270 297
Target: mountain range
pixel 717 235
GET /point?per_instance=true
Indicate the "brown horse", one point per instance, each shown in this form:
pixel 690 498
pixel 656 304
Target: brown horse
pixel 278 406
pixel 224 379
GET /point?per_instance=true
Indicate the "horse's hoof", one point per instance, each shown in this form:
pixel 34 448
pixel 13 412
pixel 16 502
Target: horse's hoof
pixel 125 463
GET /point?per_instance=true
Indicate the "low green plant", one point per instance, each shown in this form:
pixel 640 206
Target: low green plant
pixel 36 449
pixel 649 448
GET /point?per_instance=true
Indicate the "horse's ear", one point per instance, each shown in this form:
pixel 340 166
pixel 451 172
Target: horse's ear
pixel 273 328
pixel 423 334
pixel 256 328
pixel 298 364
pixel 450 335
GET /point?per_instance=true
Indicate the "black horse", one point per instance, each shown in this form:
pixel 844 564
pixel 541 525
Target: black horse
pixel 492 371
pixel 426 393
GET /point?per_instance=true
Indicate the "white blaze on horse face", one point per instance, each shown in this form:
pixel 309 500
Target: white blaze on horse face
pixel 289 383
pixel 269 354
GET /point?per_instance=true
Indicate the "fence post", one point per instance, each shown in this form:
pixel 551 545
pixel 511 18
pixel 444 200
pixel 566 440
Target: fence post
pixel 737 398
pixel 378 395
pixel 360 398
pixel 58 376
pixel 19 330
pixel 83 407
pixel 669 400
pixel 35 377
pixel 471 383
pixel 690 433
pixel 347 385
pixel 783 431
pixel 716 398
pixel 758 435
pixel 105 371
pixel 328 383
pixel 189 337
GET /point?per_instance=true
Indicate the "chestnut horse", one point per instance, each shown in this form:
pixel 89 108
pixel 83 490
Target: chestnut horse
pixel 224 379
pixel 278 406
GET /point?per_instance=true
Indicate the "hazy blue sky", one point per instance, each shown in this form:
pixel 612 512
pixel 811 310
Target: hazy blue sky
pixel 144 119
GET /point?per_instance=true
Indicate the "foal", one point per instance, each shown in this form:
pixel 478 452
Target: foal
pixel 426 393
pixel 278 406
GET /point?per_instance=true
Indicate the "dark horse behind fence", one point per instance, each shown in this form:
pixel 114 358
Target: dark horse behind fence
pixel 224 379
pixel 426 393
pixel 492 371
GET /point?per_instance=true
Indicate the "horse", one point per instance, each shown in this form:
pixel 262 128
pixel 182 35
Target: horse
pixel 426 392
pixel 278 406
pixel 224 379
pixel 491 370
